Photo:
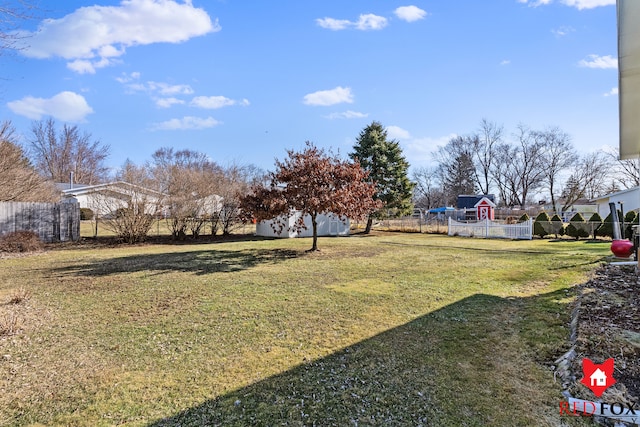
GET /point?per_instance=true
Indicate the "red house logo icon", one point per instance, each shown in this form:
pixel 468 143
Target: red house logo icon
pixel 596 377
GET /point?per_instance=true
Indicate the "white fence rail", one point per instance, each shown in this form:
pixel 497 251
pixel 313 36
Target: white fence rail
pixel 52 222
pixel 491 230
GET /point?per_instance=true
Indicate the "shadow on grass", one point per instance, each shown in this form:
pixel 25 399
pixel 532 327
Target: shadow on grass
pixel 587 249
pixel 196 262
pixel 113 241
pixel 474 363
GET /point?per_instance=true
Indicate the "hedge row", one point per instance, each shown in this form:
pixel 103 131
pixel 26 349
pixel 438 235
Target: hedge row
pixel 578 227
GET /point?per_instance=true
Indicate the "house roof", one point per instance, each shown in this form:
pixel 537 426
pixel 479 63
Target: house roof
pixel 617 193
pixel 80 189
pixel 485 201
pixel 62 186
pixel 468 201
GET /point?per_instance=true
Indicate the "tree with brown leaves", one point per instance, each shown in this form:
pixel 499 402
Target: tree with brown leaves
pixel 312 182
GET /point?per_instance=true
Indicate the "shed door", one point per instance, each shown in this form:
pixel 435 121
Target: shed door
pixel 333 228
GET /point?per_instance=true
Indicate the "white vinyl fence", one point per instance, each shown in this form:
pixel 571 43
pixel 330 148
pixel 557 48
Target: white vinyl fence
pixel 491 230
pixel 52 222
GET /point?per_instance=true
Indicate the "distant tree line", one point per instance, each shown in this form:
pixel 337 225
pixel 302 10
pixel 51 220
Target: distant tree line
pixel 518 166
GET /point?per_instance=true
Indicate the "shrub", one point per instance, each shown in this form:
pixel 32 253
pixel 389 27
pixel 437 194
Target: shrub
pixel 21 241
pixel 577 227
pixel 630 219
pixel 606 229
pixel 86 214
pixel 540 223
pixel 596 222
pixel 524 218
pixel 557 226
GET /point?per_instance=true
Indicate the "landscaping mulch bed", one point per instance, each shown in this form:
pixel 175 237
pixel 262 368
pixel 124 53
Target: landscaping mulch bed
pixel 608 325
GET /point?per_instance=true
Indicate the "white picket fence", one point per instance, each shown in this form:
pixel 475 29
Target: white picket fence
pixel 491 230
pixel 52 222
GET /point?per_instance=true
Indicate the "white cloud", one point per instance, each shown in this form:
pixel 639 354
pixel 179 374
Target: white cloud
pixel 167 89
pixel 128 78
pixel 505 62
pixel 410 13
pixel 371 22
pixel 347 115
pixel 578 4
pixel 535 3
pixel 160 88
pixel 589 4
pixel 612 92
pixel 420 150
pixel 333 24
pixel 395 132
pixel 168 102
pixel 365 22
pixel 562 31
pixel 595 61
pixel 329 97
pixel 187 123
pixel 65 106
pixel 214 102
pixel 91 37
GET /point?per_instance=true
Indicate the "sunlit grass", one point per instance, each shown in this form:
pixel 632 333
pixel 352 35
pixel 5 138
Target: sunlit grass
pixel 382 329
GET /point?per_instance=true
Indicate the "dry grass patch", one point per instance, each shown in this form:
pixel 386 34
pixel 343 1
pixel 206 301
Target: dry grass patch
pixel 387 329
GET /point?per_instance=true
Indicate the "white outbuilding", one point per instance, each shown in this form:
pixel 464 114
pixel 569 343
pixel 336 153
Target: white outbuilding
pixel 328 225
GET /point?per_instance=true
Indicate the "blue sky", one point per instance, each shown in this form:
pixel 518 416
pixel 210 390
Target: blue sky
pixel 243 81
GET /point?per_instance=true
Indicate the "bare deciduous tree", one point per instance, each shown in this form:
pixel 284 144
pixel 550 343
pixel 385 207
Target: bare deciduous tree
pixel 427 193
pixel 60 153
pixel 19 181
pixel 626 172
pixel 588 179
pixel 558 155
pixel 505 175
pixel 128 214
pixel 236 183
pixel 12 15
pixel 527 164
pixel 191 182
pixel 484 145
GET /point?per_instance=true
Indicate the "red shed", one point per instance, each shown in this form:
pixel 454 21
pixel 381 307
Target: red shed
pixel 484 209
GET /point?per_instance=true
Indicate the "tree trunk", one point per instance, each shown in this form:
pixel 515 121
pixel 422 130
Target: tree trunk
pixel 314 224
pixel 553 199
pixel 367 229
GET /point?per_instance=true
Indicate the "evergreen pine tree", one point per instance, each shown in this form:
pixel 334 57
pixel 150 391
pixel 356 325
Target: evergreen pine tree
pixel 388 168
pixel 460 176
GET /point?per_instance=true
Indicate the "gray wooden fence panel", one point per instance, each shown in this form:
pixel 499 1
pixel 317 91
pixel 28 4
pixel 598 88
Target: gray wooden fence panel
pixel 52 222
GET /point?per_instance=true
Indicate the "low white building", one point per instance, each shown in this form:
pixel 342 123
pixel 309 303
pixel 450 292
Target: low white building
pixel 105 199
pixel 328 225
pixel 629 198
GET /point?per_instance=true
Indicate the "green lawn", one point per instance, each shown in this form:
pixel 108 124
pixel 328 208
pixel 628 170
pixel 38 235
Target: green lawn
pixel 389 329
